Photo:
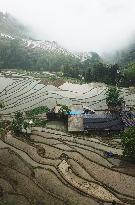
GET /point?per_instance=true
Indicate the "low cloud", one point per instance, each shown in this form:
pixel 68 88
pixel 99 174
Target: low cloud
pixel 82 25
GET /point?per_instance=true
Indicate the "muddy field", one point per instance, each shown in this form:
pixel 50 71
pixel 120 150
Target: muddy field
pixel 57 168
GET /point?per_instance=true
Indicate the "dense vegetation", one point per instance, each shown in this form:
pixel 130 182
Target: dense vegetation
pixel 112 74
pixel 13 55
pixel 129 75
pixel 128 142
pixel 19 123
pixel 26 120
pixel 37 111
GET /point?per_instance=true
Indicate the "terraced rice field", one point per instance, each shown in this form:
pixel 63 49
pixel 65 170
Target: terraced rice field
pixel 54 167
pixel 24 94
pixel 69 170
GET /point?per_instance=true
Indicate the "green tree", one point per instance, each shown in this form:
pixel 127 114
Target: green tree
pixel 129 75
pixel 13 54
pixel 113 74
pixel 33 116
pixel 63 112
pixel 113 99
pixel 88 75
pixel 99 72
pixel 17 124
pixel 128 143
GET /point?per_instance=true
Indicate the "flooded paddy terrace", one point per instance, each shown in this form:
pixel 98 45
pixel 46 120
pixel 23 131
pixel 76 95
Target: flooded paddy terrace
pixel 72 168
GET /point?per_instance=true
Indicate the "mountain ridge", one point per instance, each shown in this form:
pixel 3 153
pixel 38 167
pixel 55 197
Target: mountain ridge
pixel 11 29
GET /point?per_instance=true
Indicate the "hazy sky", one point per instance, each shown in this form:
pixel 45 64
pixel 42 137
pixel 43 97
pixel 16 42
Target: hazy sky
pixel 83 25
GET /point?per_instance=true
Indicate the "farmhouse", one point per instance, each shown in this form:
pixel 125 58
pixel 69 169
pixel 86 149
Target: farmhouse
pixel 88 120
pixel 102 122
pixel 81 118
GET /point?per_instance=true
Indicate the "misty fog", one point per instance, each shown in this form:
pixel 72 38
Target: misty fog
pixel 79 25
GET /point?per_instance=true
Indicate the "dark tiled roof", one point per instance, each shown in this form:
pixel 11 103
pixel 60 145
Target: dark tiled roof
pixel 102 122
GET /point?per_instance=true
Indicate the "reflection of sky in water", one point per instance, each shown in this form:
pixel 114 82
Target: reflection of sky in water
pixel 4 82
pixel 25 94
pixel 77 90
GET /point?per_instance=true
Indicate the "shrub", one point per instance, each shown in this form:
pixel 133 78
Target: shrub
pixel 1 105
pixel 128 143
pixel 39 122
pixel 64 110
pixel 17 123
pixel 37 111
